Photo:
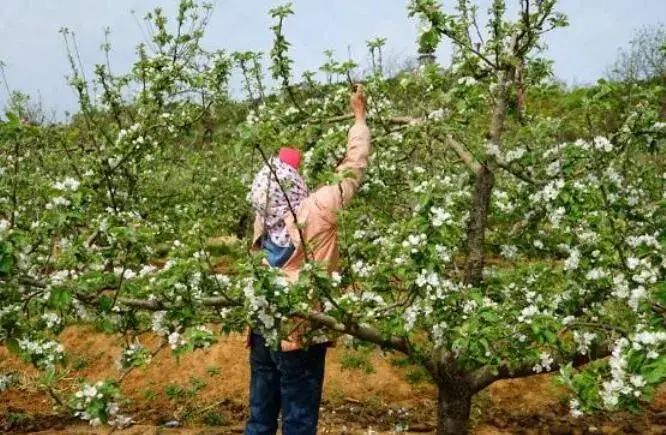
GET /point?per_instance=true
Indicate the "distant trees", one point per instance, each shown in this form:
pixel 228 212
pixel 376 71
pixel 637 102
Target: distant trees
pixel 644 58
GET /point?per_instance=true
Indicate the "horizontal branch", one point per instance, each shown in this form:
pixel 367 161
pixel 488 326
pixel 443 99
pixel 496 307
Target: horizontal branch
pixel 141 304
pixel 483 377
pixel 154 305
pixel 365 333
pixel 516 173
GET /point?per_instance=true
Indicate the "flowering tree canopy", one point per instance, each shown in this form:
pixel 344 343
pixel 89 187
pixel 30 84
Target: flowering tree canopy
pixel 505 227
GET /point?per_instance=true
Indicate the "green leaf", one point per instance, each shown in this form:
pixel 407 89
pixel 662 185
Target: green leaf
pixel 484 343
pixel 12 117
pixel 550 337
pixel 490 316
pixel 655 372
pixel 105 304
pixel 535 329
pixel 60 297
pixel 12 345
pixel 6 259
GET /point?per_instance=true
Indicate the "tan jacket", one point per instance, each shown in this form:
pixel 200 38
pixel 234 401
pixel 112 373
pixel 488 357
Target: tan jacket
pixel 317 214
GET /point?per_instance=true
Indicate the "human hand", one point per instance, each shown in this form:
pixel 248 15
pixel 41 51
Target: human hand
pixel 358 103
pixel 289 346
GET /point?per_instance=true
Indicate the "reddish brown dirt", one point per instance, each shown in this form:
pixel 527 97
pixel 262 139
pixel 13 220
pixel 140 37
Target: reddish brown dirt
pixel 354 401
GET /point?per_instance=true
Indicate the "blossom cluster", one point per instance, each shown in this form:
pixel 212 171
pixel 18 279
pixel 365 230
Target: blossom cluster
pixel 96 404
pixel 43 353
pixel 135 355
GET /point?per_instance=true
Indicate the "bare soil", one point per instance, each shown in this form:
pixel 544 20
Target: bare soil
pixel 206 393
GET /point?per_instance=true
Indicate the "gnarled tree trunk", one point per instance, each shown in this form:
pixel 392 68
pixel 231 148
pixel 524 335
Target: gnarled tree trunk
pixel 454 393
pixel 454 403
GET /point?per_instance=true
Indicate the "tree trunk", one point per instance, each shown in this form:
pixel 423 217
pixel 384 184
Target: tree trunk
pixel 483 190
pixel 476 229
pixel 453 408
pixel 521 89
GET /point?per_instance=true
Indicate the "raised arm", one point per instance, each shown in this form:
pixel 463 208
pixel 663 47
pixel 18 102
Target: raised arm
pixel 352 168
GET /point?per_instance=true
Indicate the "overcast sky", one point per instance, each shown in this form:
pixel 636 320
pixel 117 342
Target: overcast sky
pixel 34 53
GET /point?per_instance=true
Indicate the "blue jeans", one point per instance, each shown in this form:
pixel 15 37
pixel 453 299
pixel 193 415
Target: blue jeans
pixel 290 382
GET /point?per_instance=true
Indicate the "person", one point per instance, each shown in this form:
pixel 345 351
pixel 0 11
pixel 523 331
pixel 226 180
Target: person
pixel 290 380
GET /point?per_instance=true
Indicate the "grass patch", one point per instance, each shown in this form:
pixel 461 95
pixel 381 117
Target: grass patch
pixel 196 385
pixel 213 371
pixel 18 418
pixel 214 418
pixel 79 362
pixel 174 391
pixel 416 375
pixel 150 394
pixel 357 360
pixel 335 395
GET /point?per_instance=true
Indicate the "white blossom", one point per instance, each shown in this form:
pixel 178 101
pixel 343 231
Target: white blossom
pixel 546 360
pixel 527 313
pixel 596 274
pixel 603 144
pixel 336 279
pixel 509 252
pixel 147 270
pixel 573 261
pixel 57 202
pixel 126 274
pixel 158 326
pixel 632 263
pixel 5 381
pixel 176 340
pixel 51 319
pixel 636 296
pixel 574 408
pixel 440 217
pixel 467 81
pixel 515 154
pixel 436 114
pixel 361 269
pixel 584 341
pixel 67 184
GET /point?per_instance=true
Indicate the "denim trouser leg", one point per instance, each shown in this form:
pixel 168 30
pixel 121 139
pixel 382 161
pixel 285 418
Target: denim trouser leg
pixel 301 379
pixel 287 381
pixel 264 390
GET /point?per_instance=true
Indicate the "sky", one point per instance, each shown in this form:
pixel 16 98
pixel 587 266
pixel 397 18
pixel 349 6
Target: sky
pixel 34 53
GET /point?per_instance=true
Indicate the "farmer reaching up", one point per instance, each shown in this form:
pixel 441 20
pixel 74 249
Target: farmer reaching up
pixel 290 379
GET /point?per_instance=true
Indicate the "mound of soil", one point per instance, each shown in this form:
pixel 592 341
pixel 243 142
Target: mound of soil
pixel 206 393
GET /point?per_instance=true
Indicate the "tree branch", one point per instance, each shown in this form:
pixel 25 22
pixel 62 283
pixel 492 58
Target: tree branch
pixel 365 333
pixel 467 157
pixel 518 174
pixel 483 377
pixel 143 304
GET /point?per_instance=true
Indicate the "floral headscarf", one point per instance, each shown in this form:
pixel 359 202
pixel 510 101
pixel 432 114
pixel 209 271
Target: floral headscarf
pixel 270 204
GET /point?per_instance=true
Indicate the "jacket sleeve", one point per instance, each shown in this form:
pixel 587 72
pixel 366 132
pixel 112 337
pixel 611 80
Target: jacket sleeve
pixel 351 170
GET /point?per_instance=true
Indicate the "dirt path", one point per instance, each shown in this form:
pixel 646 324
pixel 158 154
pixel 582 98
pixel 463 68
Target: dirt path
pixel 206 392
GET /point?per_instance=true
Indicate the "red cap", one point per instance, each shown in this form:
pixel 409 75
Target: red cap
pixel 290 156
